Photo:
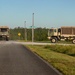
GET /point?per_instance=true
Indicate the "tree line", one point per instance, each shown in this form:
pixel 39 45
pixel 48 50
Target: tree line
pixel 40 34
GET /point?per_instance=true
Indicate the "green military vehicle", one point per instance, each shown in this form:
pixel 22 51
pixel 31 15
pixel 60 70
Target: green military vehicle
pixel 4 33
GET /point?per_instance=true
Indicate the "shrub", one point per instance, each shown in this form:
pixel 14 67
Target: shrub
pixel 70 50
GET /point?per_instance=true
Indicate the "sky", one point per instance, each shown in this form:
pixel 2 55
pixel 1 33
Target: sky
pixel 47 13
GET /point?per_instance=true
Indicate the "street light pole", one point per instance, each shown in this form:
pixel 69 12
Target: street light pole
pixel 25 32
pixel 33 27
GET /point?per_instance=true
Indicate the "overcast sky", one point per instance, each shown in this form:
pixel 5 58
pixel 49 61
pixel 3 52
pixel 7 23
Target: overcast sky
pixel 47 13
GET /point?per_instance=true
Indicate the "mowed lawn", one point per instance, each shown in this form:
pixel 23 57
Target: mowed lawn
pixel 60 57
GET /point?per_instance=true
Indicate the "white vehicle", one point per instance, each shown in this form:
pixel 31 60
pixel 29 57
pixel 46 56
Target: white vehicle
pixel 63 33
pixel 4 33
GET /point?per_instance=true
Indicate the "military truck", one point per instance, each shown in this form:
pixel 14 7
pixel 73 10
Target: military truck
pixel 4 33
pixel 62 33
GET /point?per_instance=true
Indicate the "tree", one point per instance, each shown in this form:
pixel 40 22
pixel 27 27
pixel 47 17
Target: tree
pixel 40 34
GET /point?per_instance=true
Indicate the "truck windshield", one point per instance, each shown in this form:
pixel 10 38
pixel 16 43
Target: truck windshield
pixel 3 29
pixel 51 30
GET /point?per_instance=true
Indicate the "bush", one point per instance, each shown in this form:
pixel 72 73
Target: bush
pixel 70 50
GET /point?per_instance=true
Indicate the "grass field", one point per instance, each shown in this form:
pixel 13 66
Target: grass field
pixel 61 57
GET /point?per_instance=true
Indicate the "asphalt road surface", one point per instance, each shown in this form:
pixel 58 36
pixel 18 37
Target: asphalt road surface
pixel 15 59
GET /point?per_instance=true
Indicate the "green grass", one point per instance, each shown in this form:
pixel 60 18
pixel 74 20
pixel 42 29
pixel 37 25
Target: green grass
pixel 63 62
pixel 69 50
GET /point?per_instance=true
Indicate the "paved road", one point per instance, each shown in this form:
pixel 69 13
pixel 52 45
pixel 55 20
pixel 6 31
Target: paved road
pixel 15 59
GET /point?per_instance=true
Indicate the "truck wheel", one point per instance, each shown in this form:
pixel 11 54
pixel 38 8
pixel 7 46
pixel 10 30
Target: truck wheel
pixel 7 39
pixel 53 40
pixel 73 41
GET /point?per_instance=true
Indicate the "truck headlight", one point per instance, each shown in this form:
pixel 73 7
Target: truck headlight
pixel 49 37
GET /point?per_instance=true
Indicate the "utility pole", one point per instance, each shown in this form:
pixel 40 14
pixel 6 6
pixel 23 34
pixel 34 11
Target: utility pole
pixel 25 31
pixel 33 27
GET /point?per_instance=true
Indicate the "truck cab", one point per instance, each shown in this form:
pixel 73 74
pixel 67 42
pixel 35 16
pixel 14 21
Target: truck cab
pixel 54 34
pixel 4 33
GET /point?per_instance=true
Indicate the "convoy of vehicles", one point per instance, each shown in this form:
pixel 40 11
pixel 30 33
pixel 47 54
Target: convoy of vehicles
pixel 4 33
pixel 54 34
pixel 63 33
